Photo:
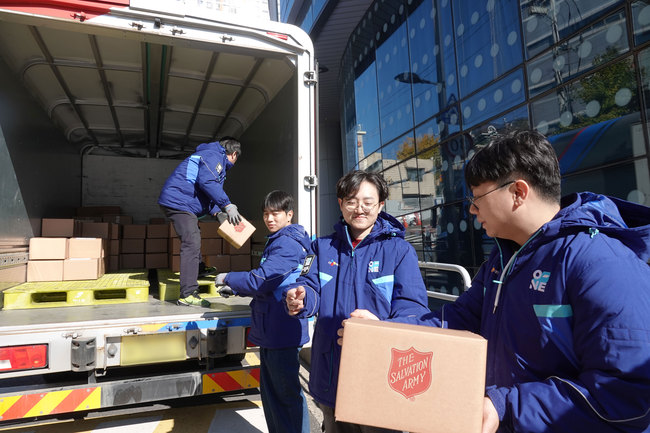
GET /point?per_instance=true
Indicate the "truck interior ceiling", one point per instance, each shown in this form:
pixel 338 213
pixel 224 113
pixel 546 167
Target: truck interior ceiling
pixel 74 90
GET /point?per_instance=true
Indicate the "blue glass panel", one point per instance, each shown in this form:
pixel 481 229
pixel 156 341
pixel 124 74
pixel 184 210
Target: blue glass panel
pixel 398 150
pixel 546 23
pixel 517 118
pixel 437 129
pixel 594 121
pixel 403 189
pixel 602 41
pixel 488 41
pixel 429 25
pixel 494 99
pixel 641 15
pixel 365 92
pixel 395 106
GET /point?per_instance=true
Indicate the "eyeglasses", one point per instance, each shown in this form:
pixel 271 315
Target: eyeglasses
pixel 352 205
pixel 472 200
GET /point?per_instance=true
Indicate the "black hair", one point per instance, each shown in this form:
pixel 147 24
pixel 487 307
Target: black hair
pixel 278 200
pixel 517 154
pixel 231 145
pixel 349 184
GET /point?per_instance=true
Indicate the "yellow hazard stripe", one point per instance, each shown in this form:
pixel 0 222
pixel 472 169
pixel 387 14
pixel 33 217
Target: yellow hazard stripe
pixel 47 404
pixel 6 403
pixel 93 401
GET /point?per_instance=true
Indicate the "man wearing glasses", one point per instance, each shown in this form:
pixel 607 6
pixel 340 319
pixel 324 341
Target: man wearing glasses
pixel 563 299
pixel 365 263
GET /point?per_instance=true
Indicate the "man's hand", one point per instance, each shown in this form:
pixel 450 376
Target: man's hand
pixel 358 313
pixel 295 299
pixel 225 292
pixel 221 279
pixel 490 417
pixel 233 214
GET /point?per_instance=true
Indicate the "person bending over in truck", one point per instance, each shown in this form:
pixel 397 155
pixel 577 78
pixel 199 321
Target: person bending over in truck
pixel 563 299
pixel 279 336
pixel 365 263
pixel 193 190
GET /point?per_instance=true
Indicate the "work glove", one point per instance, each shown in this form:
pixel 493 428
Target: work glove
pixel 225 292
pixel 220 280
pixel 233 214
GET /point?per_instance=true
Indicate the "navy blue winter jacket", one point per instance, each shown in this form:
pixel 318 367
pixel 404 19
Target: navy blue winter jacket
pixel 281 264
pixel 569 336
pixel 380 274
pixel 196 185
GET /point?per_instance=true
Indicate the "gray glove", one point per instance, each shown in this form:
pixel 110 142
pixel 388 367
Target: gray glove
pixel 225 292
pixel 233 214
pixel 221 279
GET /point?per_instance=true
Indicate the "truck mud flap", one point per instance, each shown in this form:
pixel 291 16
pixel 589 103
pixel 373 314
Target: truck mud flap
pixel 45 402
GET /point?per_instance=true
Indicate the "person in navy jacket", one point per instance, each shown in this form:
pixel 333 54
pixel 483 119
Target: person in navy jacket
pixel 193 190
pixel 366 263
pixel 563 299
pixel 279 336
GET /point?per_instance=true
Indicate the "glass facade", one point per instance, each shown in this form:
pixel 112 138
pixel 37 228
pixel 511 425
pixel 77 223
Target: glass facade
pixel 424 81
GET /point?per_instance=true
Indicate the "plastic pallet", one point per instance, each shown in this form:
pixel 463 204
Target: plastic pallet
pixel 169 286
pixel 115 288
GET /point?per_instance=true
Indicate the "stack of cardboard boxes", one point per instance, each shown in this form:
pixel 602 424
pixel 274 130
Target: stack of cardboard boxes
pixel 215 251
pixel 59 256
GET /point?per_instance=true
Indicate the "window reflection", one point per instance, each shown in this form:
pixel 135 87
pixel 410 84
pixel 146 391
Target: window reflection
pixel 545 23
pixel 488 41
pixel 365 96
pixel 403 196
pixel 430 26
pixel 641 15
pixel 579 54
pixel 605 102
pixel 498 97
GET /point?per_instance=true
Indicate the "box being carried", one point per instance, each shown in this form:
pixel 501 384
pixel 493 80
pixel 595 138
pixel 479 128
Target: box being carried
pixel 235 235
pixel 413 378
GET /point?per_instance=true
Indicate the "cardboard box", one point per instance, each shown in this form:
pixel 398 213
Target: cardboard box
pixel 132 246
pixel 412 378
pixel 131 261
pixel 209 229
pixel 48 249
pixel 44 270
pixel 134 231
pixel 175 262
pixel 114 231
pixel 95 230
pixel 211 247
pixel 157 231
pixel 13 275
pixel 236 235
pixel 157 220
pixel 172 231
pixel 244 249
pixel 240 263
pixel 93 211
pixel 156 260
pixel 82 269
pixel 119 219
pixel 112 263
pixel 85 248
pixel 174 245
pixel 156 245
pixel 57 227
pixel 221 262
pixel 112 247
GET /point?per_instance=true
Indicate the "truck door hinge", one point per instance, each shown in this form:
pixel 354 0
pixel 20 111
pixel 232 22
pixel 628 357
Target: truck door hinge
pixel 133 331
pixel 310 78
pixel 310 181
pixel 226 38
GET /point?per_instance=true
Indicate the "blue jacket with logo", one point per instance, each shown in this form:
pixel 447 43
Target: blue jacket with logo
pixel 281 264
pixel 569 329
pixel 380 274
pixel 196 185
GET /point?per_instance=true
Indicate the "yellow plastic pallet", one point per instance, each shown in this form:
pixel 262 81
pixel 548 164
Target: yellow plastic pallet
pixel 169 288
pixel 118 288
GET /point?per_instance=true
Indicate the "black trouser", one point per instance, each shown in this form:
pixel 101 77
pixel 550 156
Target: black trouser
pixel 186 225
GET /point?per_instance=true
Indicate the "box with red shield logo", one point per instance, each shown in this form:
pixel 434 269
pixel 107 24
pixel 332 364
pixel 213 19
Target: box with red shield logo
pixel 412 378
pixel 236 235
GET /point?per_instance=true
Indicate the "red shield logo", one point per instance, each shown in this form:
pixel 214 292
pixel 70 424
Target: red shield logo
pixel 410 371
pixel 240 227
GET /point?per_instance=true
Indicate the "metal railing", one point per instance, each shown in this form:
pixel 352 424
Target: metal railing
pixel 448 267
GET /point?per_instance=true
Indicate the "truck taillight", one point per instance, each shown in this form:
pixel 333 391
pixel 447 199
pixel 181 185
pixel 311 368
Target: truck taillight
pixel 248 342
pixel 23 357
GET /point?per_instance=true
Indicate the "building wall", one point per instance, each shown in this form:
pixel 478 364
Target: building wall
pixel 425 82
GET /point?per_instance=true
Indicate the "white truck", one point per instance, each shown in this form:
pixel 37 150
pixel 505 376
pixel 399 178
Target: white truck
pixel 99 101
